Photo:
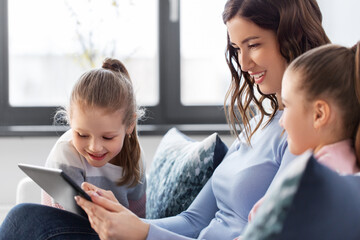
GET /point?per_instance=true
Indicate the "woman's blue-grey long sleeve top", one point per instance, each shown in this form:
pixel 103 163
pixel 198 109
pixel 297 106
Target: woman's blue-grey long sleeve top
pixel 221 209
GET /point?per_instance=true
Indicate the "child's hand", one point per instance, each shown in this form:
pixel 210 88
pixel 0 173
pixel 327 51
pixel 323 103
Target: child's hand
pixel 89 188
pixel 255 208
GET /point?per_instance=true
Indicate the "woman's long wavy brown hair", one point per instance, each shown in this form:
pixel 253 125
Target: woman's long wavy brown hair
pixel 298 27
pixel 110 88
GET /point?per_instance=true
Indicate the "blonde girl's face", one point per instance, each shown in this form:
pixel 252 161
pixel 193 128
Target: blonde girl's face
pixel 258 53
pixel 297 118
pixel 98 135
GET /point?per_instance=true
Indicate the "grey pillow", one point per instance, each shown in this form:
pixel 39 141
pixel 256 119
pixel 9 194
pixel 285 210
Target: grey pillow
pixel 180 168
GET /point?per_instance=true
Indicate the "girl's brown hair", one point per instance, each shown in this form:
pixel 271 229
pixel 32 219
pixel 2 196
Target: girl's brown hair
pixel 298 26
pixel 333 72
pixel 110 88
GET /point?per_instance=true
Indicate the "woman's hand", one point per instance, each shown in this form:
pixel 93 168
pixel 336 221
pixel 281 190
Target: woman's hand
pixel 111 220
pixel 88 188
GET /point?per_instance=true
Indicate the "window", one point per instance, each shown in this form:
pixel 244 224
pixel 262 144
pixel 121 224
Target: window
pixel 174 50
pixel 45 49
pixel 49 50
pixel 340 21
pixel 202 46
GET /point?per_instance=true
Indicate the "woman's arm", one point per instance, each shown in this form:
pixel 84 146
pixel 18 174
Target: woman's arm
pixel 198 216
pixel 113 221
pixel 106 215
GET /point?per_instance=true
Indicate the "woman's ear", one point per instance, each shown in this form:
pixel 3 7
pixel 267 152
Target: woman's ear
pixel 321 113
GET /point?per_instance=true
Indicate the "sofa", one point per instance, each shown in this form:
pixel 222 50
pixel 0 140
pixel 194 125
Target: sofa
pixel 28 191
pixel 308 201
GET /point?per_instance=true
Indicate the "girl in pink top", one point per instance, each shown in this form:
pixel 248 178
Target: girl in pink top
pixel 321 98
pixel 320 93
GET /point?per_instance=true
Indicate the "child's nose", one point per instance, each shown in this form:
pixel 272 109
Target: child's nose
pixel 95 145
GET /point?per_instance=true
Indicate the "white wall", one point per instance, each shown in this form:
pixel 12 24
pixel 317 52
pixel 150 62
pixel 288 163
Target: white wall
pixel 34 150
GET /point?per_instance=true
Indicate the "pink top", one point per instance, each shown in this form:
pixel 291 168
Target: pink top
pixel 339 156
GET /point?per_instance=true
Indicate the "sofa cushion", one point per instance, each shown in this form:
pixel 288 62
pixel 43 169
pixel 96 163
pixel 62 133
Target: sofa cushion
pixel 180 168
pixel 309 201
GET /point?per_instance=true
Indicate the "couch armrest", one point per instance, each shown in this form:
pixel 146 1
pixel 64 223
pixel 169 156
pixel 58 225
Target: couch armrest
pixel 28 191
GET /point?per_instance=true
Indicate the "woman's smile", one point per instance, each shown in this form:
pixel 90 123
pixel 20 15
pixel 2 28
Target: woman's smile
pixel 258 77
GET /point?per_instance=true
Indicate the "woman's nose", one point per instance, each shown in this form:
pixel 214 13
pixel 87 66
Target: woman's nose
pixel 245 61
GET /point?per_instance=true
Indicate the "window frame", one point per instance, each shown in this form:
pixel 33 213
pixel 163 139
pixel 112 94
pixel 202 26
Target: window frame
pixel 37 121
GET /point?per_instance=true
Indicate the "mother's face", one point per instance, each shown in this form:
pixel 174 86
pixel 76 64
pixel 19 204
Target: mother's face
pixel 259 54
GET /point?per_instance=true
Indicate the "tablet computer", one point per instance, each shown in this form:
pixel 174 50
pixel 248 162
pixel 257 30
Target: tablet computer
pixel 58 185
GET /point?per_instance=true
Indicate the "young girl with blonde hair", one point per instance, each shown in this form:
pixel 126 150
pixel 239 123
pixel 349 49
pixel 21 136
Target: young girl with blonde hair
pixel 102 146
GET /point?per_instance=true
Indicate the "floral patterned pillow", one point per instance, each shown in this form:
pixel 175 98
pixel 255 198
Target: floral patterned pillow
pixel 180 168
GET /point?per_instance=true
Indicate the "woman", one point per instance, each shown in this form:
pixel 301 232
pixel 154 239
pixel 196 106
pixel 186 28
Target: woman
pixel 264 36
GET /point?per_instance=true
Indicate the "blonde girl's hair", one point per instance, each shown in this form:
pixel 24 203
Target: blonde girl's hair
pixel 297 25
pixel 333 72
pixel 110 88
